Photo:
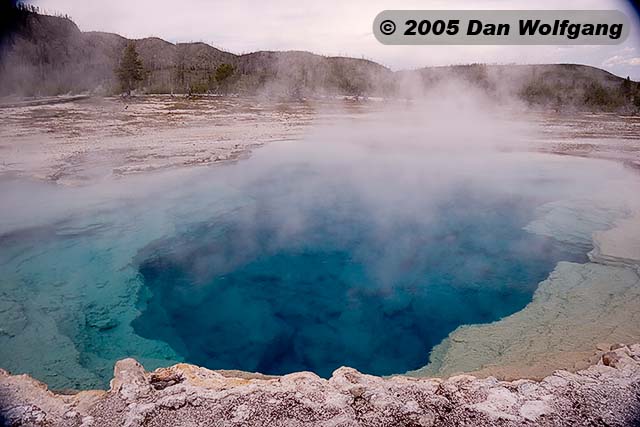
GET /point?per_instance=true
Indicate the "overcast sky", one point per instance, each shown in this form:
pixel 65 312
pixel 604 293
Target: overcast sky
pixel 336 27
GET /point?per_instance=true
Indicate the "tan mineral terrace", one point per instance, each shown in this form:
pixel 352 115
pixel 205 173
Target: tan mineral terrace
pixel 577 307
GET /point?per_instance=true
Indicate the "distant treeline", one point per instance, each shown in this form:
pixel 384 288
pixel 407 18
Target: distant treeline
pixel 48 55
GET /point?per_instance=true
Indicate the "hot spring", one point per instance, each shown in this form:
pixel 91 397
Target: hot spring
pixel 361 248
pixel 344 287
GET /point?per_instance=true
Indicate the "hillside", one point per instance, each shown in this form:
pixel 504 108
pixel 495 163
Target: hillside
pixel 48 55
pixel 45 55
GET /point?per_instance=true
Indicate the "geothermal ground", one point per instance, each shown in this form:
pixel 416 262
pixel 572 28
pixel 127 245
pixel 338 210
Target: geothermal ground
pixel 565 343
pixel 73 142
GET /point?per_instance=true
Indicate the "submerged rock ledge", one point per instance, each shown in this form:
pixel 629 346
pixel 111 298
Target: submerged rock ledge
pixel 578 307
pixel 607 393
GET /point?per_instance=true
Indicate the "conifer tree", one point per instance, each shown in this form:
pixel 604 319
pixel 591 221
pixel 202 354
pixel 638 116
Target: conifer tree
pixel 222 75
pixel 130 72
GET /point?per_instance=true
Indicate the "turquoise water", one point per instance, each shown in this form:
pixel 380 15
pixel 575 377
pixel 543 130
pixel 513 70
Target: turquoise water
pixel 306 256
pixel 231 294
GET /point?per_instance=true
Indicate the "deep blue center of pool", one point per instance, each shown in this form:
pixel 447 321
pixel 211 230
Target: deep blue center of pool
pixel 339 284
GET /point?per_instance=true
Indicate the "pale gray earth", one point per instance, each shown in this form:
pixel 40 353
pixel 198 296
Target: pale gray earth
pixel 75 142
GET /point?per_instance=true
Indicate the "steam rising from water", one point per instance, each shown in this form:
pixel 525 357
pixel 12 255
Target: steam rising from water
pixel 364 244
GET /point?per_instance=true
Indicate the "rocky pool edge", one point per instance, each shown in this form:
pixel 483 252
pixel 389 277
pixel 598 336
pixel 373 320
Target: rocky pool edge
pixel 606 393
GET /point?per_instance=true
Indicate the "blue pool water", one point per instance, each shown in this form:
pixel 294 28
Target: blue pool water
pixel 305 256
pixel 343 289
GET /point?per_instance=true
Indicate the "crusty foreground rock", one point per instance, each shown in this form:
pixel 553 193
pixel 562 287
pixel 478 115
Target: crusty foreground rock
pixel 605 394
